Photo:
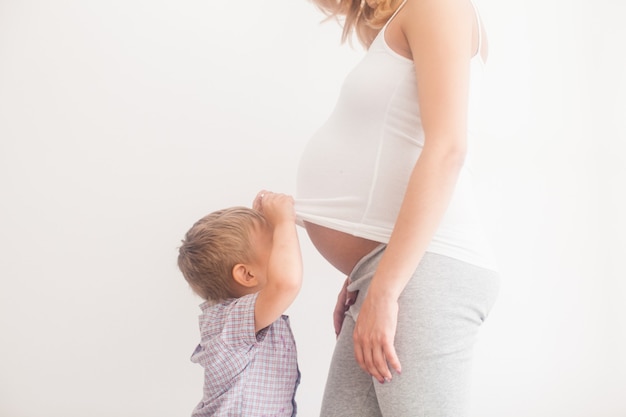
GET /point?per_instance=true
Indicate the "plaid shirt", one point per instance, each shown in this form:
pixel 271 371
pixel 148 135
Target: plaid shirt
pixel 245 374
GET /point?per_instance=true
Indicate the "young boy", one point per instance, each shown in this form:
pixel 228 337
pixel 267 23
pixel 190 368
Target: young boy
pixel 246 263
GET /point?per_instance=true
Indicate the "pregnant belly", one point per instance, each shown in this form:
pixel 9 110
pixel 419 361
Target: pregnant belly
pixel 341 250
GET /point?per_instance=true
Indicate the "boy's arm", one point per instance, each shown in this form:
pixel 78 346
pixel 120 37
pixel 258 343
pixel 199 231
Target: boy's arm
pixel 284 269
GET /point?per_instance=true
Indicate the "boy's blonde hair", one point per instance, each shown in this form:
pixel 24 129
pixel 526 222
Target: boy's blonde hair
pixel 213 246
pixel 359 17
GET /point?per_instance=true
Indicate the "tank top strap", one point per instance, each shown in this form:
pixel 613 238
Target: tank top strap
pixel 479 27
pixel 393 15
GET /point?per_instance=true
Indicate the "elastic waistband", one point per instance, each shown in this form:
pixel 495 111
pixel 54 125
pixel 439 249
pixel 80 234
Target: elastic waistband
pixel 365 268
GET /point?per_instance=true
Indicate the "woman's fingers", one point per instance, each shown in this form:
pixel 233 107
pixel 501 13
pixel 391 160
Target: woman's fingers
pixel 344 300
pixel 380 364
pixel 374 339
pixel 351 297
pixel 391 358
pixel 372 359
pixel 339 314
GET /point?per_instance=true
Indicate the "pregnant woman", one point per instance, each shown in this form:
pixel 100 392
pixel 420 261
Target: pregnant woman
pixel 384 192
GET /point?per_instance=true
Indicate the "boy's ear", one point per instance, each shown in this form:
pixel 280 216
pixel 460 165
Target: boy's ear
pixel 244 276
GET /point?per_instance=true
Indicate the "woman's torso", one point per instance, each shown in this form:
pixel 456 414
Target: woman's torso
pixel 355 169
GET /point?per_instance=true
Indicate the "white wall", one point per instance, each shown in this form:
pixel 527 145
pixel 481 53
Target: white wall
pixel 122 122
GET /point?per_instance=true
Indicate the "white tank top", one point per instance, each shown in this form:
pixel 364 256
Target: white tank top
pixel 354 171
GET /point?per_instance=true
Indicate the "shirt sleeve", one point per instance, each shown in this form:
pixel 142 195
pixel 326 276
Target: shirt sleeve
pixel 239 330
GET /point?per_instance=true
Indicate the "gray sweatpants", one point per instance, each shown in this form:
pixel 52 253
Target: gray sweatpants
pixel 440 312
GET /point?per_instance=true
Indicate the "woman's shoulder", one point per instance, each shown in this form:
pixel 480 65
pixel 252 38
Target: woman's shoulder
pixel 423 9
pixel 432 20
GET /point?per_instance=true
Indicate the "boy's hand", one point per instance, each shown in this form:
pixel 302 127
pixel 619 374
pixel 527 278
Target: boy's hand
pixel 275 207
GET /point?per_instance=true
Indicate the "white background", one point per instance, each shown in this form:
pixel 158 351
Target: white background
pixel 123 122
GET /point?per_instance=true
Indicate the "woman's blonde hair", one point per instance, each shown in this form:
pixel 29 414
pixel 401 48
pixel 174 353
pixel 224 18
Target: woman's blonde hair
pixel 359 17
pixel 213 246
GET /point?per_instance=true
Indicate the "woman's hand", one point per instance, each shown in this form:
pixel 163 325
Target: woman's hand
pixel 374 335
pixel 344 300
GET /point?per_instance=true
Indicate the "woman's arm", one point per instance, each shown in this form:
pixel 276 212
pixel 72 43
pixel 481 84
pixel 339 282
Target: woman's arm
pixel 439 36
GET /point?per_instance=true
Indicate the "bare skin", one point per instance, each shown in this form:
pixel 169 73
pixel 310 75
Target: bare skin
pixel 340 249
